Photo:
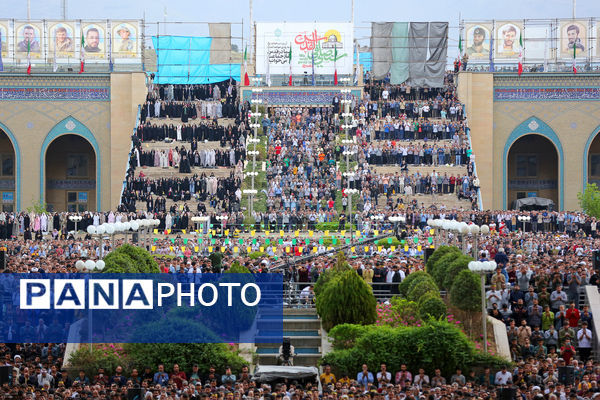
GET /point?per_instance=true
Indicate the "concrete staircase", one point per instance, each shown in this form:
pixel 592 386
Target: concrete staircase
pixel 303 327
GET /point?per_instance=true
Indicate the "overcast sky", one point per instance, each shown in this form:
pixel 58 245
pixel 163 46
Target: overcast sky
pixel 299 11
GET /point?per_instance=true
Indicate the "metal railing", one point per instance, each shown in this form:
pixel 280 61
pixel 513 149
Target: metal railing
pixel 294 297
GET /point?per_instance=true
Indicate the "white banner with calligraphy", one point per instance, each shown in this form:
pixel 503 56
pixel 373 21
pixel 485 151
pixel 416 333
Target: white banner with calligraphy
pixel 307 40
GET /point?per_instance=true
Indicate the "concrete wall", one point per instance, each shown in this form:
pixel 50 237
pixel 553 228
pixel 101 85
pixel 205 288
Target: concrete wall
pixel 128 90
pixel 476 91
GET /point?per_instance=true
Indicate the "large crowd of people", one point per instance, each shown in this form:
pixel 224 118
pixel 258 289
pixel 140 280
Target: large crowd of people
pixel 543 263
pixel 542 267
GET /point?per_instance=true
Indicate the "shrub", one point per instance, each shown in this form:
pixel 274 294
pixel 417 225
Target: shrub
pixel 437 254
pixel 441 266
pixel 400 312
pixel 255 255
pixel 421 289
pixel 465 293
pixel 344 336
pixel 454 268
pixel 403 307
pixel 215 259
pixel 237 268
pixel 186 355
pixel 107 356
pixel 414 277
pixel 437 344
pixel 130 259
pixel 431 306
pixel 346 298
pixel 340 266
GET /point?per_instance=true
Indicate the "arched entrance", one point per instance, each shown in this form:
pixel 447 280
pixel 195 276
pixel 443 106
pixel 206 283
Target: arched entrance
pixel 8 173
pixel 70 174
pixel 593 161
pixel 533 169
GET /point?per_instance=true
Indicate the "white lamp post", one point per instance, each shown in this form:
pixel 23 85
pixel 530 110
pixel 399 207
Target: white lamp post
pixel 474 229
pixel 524 219
pixel 464 230
pixel 75 219
pixel 350 193
pixel 483 268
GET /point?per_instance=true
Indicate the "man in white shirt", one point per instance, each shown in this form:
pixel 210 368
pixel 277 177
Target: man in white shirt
pixel 503 377
pixel 584 342
pixel 384 376
pixel 493 296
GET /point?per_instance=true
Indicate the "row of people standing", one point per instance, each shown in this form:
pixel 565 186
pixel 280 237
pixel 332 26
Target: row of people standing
pixel 187 92
pixel 173 157
pixel 205 131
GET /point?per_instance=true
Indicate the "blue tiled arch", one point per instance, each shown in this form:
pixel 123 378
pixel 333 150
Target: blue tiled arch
pixel 533 126
pixel 586 152
pixel 15 144
pixel 71 126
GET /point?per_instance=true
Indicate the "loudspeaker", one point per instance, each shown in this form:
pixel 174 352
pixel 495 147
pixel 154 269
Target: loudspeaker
pixel 428 253
pixel 507 393
pixel 135 237
pixel 5 372
pixel 566 375
pixel 134 394
pixel 596 259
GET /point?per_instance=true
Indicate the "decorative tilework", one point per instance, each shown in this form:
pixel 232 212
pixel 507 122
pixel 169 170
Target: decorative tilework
pixel 35 93
pixel 70 184
pixel 7 184
pixel 529 184
pixel 547 94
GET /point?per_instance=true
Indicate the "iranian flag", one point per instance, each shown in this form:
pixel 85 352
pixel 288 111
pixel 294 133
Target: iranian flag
pixel 574 58
pixel 520 54
pixel 335 79
pixel 28 57
pixel 459 51
pixel 82 54
pixel 291 82
pixel 246 79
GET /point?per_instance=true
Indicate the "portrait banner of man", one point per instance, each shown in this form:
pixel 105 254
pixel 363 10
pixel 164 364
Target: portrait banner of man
pixel 478 41
pixel 29 33
pixel 62 39
pixel 94 36
pixel 124 39
pixel 573 34
pixel 507 39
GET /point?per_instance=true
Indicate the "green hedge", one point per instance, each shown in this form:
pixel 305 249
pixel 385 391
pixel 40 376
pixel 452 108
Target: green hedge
pixel 431 306
pixel 422 288
pixel 465 293
pixel 333 226
pixel 130 259
pixel 437 254
pixel 452 270
pixel 437 344
pixel 186 355
pixel 441 266
pixel 415 277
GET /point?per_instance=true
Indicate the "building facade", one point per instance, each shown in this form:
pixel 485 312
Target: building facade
pixel 533 135
pixel 65 138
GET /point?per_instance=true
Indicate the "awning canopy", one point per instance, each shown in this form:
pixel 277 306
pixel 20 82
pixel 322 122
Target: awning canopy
pixel 268 373
pixel 533 202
